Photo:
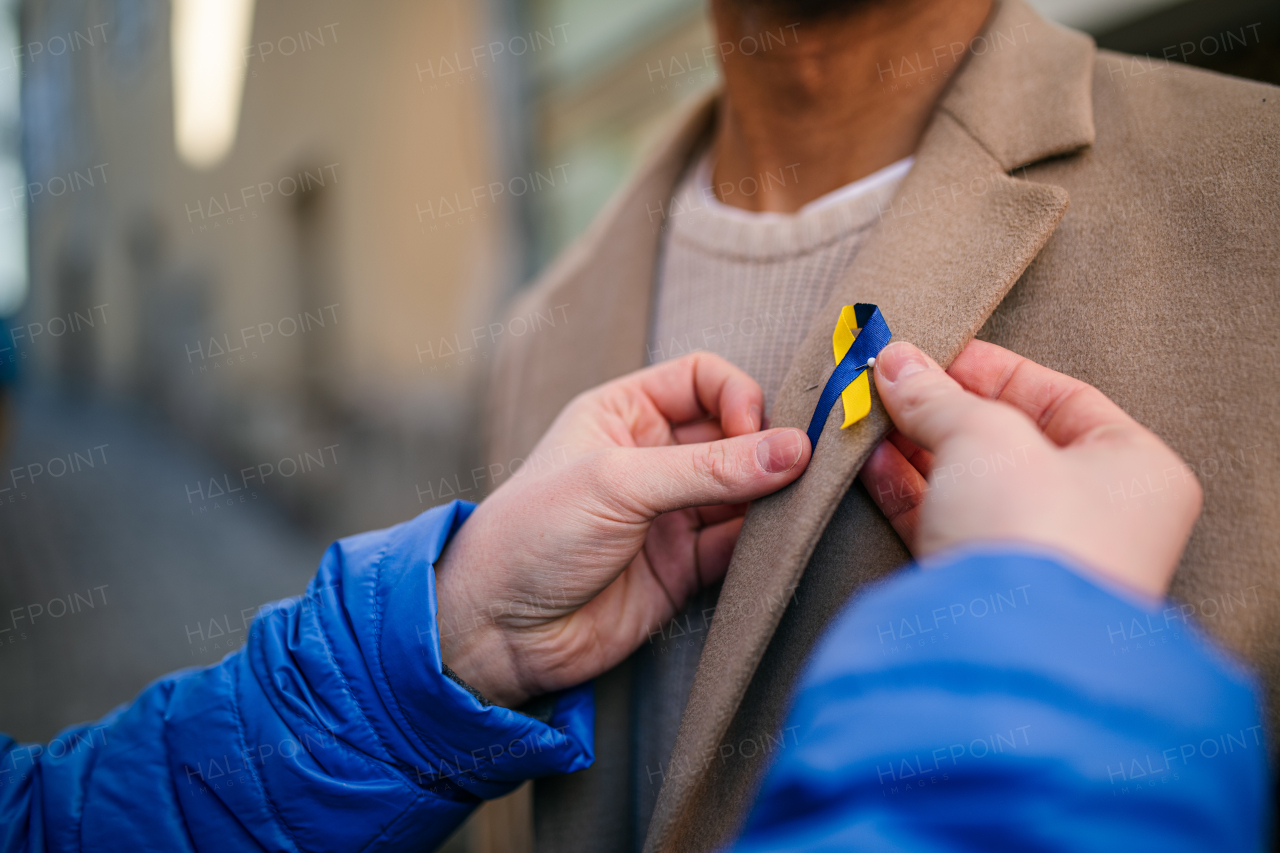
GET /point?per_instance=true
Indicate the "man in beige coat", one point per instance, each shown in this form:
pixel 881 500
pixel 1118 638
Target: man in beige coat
pixel 1108 216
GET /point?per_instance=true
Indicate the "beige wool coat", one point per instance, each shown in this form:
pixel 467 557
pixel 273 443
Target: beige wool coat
pixel 1112 217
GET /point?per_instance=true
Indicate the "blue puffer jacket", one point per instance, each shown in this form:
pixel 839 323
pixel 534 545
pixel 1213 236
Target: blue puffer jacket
pixel 332 729
pixel 997 702
pixel 1001 702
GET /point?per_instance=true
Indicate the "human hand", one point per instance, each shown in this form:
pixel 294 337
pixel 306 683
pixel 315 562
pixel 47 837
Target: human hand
pixel 1018 452
pixel 566 568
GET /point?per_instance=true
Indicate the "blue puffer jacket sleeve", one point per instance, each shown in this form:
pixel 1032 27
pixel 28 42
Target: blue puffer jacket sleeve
pixel 331 729
pixel 1003 702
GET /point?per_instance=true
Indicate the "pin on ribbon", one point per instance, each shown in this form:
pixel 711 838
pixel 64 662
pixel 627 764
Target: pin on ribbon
pixel 860 334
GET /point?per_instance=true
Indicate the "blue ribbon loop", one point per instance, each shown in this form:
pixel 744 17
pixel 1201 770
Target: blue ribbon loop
pixel 873 336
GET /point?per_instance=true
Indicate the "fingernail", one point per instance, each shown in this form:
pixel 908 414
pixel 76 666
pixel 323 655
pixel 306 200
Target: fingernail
pixel 899 360
pixel 754 414
pixel 780 451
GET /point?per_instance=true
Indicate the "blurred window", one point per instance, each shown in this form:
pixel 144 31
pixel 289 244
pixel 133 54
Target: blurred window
pixel 13 181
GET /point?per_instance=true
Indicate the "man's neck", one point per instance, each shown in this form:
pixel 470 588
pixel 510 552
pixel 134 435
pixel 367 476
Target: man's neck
pixel 841 98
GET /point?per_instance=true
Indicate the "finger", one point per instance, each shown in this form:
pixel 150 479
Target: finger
pixel 653 480
pixel 715 550
pixel 702 384
pixel 1064 408
pixel 920 459
pixel 698 432
pixel 897 488
pixel 929 407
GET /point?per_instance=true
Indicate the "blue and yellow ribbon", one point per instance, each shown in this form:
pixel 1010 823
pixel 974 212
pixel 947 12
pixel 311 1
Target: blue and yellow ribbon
pixel 860 334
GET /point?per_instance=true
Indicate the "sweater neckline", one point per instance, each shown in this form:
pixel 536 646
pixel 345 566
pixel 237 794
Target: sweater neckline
pixel 700 220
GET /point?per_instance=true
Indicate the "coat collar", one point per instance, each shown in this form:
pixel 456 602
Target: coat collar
pixel 1025 93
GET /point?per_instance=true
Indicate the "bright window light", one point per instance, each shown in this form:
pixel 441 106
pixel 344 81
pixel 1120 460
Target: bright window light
pixel 208 40
pixel 13 221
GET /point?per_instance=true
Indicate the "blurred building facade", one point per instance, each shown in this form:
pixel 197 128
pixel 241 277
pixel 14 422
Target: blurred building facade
pixel 330 282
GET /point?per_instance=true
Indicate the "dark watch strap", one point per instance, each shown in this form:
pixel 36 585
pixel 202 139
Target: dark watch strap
pixel 539 708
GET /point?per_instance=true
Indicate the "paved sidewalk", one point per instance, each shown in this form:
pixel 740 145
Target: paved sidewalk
pixel 107 578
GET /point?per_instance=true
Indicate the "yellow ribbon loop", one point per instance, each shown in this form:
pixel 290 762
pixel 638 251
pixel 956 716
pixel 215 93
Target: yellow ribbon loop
pixel 856 398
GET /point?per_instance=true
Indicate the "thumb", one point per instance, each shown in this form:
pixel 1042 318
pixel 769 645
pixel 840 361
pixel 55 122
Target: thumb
pixel 732 470
pixel 927 405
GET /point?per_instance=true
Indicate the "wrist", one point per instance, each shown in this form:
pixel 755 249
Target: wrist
pixel 482 660
pixel 471 643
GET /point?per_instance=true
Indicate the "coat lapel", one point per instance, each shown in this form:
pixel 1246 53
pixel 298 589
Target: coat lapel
pixel 957 236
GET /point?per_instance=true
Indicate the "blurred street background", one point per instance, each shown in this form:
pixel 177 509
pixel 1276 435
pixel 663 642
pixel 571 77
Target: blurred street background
pixel 254 258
